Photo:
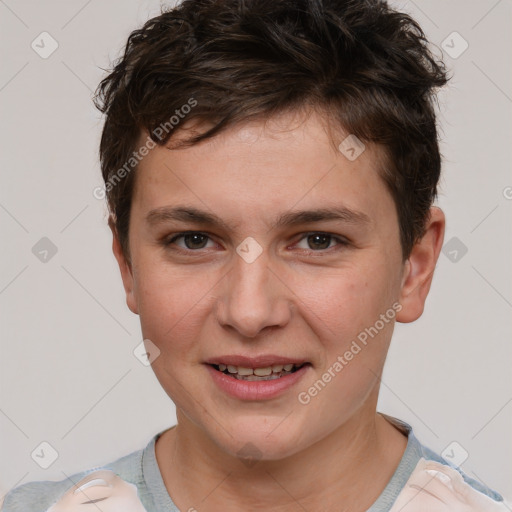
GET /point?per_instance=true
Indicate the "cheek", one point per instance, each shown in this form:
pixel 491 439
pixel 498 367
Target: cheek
pixel 174 308
pixel 343 303
pixel 172 312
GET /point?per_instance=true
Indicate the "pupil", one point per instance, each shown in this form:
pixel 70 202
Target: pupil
pixel 321 241
pixel 195 241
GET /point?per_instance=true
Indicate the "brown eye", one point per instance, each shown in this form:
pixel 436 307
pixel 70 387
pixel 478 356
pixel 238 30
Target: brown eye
pixel 190 241
pixel 319 241
pixel 195 240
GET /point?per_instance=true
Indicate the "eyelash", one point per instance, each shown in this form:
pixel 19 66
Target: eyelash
pixel 170 241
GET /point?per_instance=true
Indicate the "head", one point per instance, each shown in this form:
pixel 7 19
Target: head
pixel 302 134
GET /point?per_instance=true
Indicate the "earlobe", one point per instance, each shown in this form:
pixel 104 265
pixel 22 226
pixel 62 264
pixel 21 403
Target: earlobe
pixel 125 268
pixel 419 268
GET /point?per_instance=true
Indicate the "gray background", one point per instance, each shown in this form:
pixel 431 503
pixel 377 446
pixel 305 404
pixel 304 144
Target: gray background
pixel 68 374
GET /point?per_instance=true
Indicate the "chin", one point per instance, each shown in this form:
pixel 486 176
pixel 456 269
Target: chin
pixel 262 439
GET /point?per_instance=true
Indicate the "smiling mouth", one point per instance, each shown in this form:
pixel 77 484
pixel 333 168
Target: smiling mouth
pixel 258 374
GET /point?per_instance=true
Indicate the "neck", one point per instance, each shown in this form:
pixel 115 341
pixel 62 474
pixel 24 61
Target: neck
pixel 351 467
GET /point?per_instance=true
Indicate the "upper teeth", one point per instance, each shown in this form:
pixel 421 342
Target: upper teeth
pixel 260 372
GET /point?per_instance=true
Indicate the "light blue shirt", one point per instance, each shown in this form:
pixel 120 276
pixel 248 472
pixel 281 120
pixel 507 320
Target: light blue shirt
pixel 141 469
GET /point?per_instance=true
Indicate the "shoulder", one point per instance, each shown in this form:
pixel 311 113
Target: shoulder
pixel 434 482
pixel 439 487
pixel 446 464
pixel 39 496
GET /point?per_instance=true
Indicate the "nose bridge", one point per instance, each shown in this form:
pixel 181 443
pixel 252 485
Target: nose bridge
pixel 252 299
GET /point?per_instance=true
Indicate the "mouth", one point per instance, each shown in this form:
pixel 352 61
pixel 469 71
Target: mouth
pixel 257 378
pixel 264 373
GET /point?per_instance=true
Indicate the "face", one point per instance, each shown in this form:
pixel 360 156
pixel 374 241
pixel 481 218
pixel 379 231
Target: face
pixel 291 256
pixel 103 489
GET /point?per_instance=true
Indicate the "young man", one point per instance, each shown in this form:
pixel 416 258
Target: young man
pixel 270 169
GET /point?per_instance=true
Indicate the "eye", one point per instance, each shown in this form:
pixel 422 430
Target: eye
pixel 319 241
pixel 191 240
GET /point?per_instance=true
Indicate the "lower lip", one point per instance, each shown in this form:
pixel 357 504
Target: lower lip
pixel 256 390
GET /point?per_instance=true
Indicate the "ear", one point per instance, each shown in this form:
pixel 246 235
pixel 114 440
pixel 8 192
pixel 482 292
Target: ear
pixel 125 268
pixel 419 268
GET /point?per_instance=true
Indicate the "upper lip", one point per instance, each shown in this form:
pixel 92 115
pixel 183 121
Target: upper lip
pixel 260 361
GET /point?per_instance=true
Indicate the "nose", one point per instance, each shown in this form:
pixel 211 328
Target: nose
pixel 253 298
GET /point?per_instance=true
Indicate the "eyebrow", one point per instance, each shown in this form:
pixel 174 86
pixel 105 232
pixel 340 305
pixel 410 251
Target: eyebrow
pixel 292 218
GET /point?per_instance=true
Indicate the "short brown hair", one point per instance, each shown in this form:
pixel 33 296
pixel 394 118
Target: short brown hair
pixel 366 66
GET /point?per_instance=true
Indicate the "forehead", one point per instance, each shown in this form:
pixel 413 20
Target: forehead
pixel 279 163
